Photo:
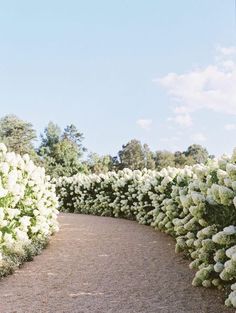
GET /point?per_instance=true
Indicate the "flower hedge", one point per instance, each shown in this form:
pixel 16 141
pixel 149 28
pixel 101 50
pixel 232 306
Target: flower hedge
pixel 28 209
pixel 196 205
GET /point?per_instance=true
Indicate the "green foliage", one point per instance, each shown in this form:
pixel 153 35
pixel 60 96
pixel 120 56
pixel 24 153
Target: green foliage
pixel 132 155
pixel 99 164
pixel 73 135
pixel 164 159
pixel 180 159
pixel 149 161
pixel 61 152
pixel 52 134
pixel 18 135
pixel 197 153
pixel 136 156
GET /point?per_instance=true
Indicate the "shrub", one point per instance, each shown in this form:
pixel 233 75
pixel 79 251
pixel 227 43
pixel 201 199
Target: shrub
pixel 196 205
pixel 28 209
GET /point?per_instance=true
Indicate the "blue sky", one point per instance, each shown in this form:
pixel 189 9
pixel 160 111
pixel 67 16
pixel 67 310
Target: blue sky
pixel 160 71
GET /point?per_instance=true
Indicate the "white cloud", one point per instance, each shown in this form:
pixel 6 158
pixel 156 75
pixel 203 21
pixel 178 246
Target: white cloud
pixel 198 137
pixel 230 127
pixel 170 139
pixel 226 51
pixel 144 123
pixel 211 88
pixel 183 120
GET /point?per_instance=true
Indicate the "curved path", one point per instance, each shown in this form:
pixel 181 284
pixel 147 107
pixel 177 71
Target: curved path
pixel 104 265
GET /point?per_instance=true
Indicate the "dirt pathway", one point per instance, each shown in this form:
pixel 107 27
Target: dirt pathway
pixel 105 265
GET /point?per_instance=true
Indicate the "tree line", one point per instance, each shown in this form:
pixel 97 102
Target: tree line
pixel 61 152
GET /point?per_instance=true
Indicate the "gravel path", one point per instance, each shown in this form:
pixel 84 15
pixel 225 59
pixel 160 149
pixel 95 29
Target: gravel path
pixel 104 265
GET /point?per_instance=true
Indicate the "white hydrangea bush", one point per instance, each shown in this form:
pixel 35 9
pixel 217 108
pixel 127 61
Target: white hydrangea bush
pixel 28 209
pixel 196 205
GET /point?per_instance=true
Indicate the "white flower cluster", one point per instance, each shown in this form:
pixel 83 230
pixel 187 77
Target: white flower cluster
pixel 28 209
pixel 196 205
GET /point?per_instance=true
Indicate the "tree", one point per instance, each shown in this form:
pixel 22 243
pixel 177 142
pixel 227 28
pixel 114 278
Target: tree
pixel 115 163
pixel 148 157
pixel 73 135
pixel 132 155
pixel 164 159
pixel 198 153
pixel 51 137
pixel 135 156
pixel 63 160
pixel 61 152
pixel 99 164
pixel 18 135
pixel 180 159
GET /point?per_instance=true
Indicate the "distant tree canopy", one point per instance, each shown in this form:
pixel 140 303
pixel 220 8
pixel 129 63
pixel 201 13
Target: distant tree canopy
pixel 135 156
pixel 18 135
pixel 164 159
pixel 197 153
pixel 51 137
pixel 149 161
pixel 62 152
pixel 99 164
pixel 132 155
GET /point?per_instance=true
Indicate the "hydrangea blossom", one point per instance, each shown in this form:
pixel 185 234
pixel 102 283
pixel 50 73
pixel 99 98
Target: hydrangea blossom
pixel 196 205
pixel 28 208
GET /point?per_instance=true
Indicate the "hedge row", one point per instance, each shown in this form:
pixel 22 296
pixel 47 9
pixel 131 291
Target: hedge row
pixel 28 209
pixel 196 205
